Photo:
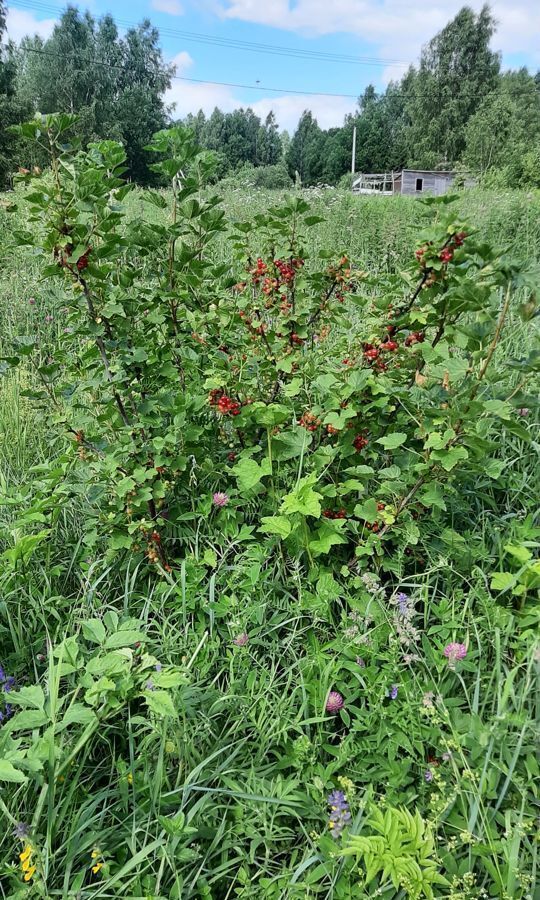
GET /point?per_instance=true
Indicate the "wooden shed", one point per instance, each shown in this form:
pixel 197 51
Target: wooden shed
pixel 412 182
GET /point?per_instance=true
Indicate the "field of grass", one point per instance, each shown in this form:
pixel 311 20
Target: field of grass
pixel 228 798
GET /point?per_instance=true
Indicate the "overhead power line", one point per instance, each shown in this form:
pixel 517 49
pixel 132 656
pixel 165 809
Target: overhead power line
pixel 249 87
pixel 234 44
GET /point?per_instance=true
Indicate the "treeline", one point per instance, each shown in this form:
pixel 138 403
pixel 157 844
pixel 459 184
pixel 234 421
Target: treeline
pixel 456 109
pixel 115 84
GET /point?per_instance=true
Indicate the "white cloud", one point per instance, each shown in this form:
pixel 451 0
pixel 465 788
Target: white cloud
pixel 172 7
pixel 329 111
pixel 20 23
pixel 182 61
pixel 190 97
pixel 397 29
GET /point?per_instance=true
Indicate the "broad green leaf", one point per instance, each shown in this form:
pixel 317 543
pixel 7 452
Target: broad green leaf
pixel 249 472
pixel 522 554
pixel 94 630
pixel 124 639
pixel 77 714
pixel 8 772
pixel 304 499
pixel 325 538
pixel 280 525
pixel 391 441
pixel 367 511
pixel 450 458
pixel 432 495
pixel 160 703
pixel 502 581
pixel 31 697
pixel 26 720
pixel 120 541
pixel 210 558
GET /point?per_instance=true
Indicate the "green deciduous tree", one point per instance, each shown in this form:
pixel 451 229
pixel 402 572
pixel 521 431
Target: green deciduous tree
pixel 504 134
pixel 457 71
pixel 12 109
pixel 115 85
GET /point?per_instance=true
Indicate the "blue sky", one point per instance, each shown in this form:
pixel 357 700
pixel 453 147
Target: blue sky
pixel 389 32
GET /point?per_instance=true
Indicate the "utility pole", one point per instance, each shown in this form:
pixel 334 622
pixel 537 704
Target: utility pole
pixel 353 161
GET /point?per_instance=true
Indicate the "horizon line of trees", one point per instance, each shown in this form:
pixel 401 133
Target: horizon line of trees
pixel 457 108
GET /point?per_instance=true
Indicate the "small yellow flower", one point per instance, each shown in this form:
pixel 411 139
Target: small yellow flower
pixel 94 854
pixel 129 778
pixel 29 873
pixel 97 867
pixel 26 854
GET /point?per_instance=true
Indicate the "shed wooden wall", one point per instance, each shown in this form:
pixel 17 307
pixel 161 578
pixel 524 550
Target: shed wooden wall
pixel 433 183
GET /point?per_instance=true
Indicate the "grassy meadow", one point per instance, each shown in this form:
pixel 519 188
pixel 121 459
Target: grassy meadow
pixel 229 799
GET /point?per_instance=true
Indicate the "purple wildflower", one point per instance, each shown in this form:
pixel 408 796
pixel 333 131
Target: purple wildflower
pixel 220 499
pixel 32 301
pixel 446 756
pixel 21 831
pixel 7 714
pixel 48 319
pixel 402 601
pixel 9 683
pixel 523 411
pixel 241 639
pixel 157 667
pixel 150 686
pixel 393 692
pixel 428 775
pixel 334 702
pixel 453 652
pixel 340 815
pixel 360 662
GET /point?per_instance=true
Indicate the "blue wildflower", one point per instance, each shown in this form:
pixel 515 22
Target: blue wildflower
pixel 428 775
pixel 393 692
pixel 340 815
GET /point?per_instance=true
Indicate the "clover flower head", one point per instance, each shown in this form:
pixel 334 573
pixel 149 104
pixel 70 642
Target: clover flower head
pixel 220 499
pixel 428 775
pixel 241 639
pixel 334 702
pixel 454 652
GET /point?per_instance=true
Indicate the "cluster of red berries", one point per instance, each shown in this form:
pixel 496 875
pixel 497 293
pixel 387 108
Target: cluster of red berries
pixel 269 285
pixel 447 253
pixel 287 270
pixel 259 271
pixel 416 337
pixel 360 442
pixel 309 421
pixel 376 525
pixel 224 404
pixel 82 262
pixel 330 514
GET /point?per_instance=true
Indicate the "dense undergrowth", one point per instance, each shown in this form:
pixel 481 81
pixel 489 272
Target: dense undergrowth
pixel 269 478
